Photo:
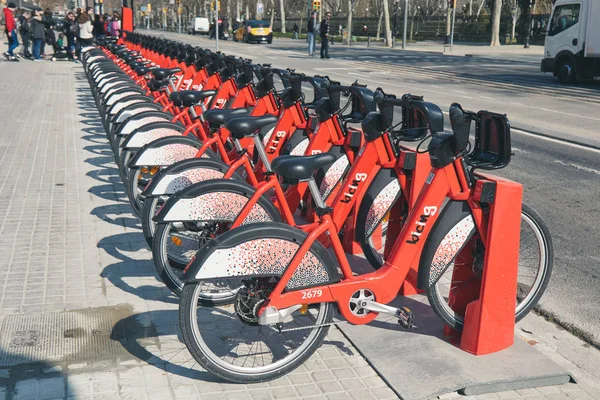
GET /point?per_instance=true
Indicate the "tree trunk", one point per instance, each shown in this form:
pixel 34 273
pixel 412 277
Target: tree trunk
pixel 496 23
pixel 349 23
pixel 282 6
pixel 470 8
pixel 480 7
pixel 514 27
pixel 272 14
pixel 388 28
pixel 379 25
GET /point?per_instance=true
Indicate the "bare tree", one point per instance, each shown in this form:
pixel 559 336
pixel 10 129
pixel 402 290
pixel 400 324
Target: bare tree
pixel 282 6
pixel 349 23
pixel 496 23
pixel 386 18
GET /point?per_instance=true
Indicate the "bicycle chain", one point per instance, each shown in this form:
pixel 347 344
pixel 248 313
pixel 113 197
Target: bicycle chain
pixel 276 327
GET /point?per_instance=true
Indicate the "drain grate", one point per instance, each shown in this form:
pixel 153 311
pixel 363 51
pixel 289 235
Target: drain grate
pixel 80 335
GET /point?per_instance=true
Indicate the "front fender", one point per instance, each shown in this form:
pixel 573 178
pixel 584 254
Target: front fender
pixel 185 173
pixel 166 151
pixel 149 133
pixel 263 250
pixel 216 200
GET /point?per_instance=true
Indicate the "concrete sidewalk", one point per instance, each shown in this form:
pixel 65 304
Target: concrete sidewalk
pixel 82 313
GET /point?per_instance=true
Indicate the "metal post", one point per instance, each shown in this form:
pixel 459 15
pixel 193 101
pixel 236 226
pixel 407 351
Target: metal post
pixel 217 24
pixel 528 25
pixel 452 29
pixel 405 23
pixel 179 15
pixel 314 36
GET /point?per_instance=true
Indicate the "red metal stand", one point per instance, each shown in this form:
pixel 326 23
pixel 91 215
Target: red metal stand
pixel 489 302
pixel 127 19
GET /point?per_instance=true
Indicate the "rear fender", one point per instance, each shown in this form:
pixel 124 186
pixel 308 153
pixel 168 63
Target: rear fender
pixel 141 119
pixel 166 151
pixel 263 250
pixel 216 200
pixel 185 173
pixel 120 112
pixel 330 178
pixel 377 201
pixel 120 95
pixel 149 133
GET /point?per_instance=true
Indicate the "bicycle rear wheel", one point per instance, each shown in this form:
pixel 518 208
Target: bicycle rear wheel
pixel 228 342
pixel 536 256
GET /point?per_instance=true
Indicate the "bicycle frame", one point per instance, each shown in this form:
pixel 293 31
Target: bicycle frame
pixel 384 283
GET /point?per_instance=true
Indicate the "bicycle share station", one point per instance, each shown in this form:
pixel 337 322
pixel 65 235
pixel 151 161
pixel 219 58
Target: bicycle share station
pixel 405 340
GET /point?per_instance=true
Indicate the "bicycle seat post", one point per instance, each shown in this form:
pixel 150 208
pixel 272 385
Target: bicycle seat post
pixel 262 154
pixel 316 194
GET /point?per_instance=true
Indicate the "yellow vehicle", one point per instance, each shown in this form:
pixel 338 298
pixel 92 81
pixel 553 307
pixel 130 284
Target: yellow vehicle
pixel 254 31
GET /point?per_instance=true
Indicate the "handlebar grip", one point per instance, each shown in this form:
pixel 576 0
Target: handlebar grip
pixel 457 115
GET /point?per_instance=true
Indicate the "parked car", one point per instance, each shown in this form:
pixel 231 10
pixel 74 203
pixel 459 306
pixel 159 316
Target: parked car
pixel 198 25
pixel 254 31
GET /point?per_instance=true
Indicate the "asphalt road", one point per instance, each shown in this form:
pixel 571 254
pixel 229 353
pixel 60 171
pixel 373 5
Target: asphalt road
pixel 561 179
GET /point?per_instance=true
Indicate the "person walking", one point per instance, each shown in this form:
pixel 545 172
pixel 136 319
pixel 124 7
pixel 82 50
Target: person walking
pixel 71 29
pixel 25 31
pixel 324 33
pixel 37 27
pixel 11 31
pixel 85 31
pixel 295 29
pixel 310 30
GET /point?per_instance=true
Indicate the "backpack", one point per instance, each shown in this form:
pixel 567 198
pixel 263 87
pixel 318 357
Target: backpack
pixel 74 28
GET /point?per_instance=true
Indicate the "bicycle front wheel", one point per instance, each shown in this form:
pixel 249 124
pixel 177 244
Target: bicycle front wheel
pixel 536 256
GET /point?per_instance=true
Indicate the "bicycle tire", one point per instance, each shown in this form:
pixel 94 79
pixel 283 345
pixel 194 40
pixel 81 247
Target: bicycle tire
pixel 165 262
pixel 434 245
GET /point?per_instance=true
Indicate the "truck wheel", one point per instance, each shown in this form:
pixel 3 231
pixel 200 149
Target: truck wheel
pixel 566 72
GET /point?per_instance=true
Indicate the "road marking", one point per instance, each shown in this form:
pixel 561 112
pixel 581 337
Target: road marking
pixel 487 98
pixel 519 150
pixel 553 140
pixel 578 167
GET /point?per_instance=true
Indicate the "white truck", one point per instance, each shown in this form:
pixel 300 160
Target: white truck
pixel 572 48
pixel 198 25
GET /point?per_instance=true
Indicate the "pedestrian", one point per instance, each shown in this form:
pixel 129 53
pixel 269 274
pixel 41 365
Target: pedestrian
pixel 71 29
pixel 295 29
pixel 25 31
pixel 48 21
pixel 225 25
pixel 310 33
pixel 324 33
pixel 11 31
pixel 365 30
pixel 115 25
pixel 98 27
pixel 37 27
pixel 85 31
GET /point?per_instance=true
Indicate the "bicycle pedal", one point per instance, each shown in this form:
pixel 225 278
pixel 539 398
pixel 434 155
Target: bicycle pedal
pixel 406 318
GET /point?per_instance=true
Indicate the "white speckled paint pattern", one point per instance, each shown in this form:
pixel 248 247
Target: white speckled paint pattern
pixel 333 176
pixel 167 155
pixel 264 257
pixel 173 183
pixel 215 206
pixel 140 139
pixel 449 247
pixel 381 205
pixel 134 124
pixel 300 149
